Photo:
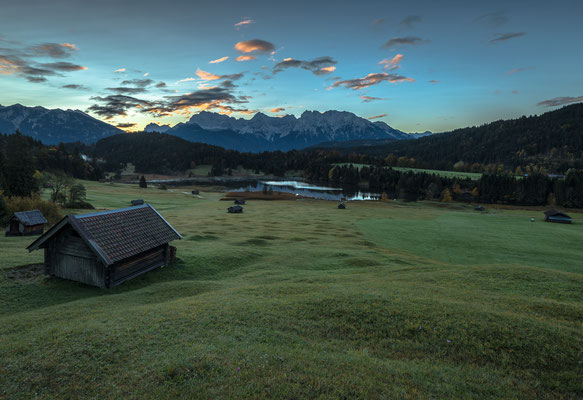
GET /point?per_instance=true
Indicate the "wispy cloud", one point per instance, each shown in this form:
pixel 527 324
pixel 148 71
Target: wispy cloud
pixel 516 70
pixel 254 46
pixel 433 81
pixel 120 70
pixel 378 21
pixel 238 25
pixel 75 87
pixel 493 19
pixel 127 90
pixel 277 110
pixel 125 125
pixel 502 37
pixel 410 21
pixel 317 66
pixel 138 82
pixel 64 66
pixel 115 105
pixel 370 80
pixel 393 63
pixel 560 101
pixel 377 116
pixel 246 58
pixel 55 50
pixel 404 41
pixel 207 76
pixel 187 80
pixel 368 99
pixel 219 60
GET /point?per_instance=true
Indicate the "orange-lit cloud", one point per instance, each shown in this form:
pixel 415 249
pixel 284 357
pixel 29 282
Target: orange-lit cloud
pixel 377 116
pixel 277 110
pixel 255 45
pixel 7 66
pixel 207 76
pixel 243 23
pixel 120 70
pixel 433 81
pixel 370 80
pixel 368 99
pixel 186 80
pixel 393 63
pixel 328 69
pixel 219 60
pixel 246 58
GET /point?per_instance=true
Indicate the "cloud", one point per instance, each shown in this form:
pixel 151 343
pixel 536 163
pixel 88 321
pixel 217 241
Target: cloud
pixel 433 81
pixel 502 37
pixel 219 60
pixel 410 21
pixel 560 101
pixel 64 66
pixel 493 19
pixel 207 76
pixel 377 116
pixel 36 79
pixel 120 70
pixel 515 92
pixel 255 45
pixel 127 90
pixel 378 21
pixel 146 74
pixel 393 63
pixel 370 80
pixel 277 110
pixel 160 85
pixel 318 66
pixel 138 82
pixel 368 99
pixel 126 125
pixel 238 25
pixel 75 87
pixel 404 41
pixel 55 50
pixel 115 105
pixel 187 80
pixel 245 58
pixel 515 70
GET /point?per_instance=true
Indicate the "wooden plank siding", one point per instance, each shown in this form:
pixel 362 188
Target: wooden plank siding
pixel 137 265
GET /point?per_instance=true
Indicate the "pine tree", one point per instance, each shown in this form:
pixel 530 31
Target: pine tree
pixel 19 167
pixel 143 183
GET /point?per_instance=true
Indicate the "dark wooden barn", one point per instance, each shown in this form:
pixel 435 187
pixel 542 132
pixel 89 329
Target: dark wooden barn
pixel 239 201
pixel 557 216
pixel 138 202
pixel 24 223
pixel 341 206
pixel 196 192
pixel 107 248
pixel 235 209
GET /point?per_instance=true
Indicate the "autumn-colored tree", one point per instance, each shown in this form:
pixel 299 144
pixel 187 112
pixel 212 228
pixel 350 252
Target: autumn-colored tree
pixel 446 195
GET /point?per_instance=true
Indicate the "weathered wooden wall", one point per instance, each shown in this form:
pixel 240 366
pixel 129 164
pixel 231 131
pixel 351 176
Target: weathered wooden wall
pixel 139 264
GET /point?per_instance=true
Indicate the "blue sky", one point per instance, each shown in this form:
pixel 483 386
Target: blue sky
pixel 447 64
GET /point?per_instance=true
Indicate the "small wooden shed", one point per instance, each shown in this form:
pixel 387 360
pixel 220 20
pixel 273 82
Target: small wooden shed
pixel 235 209
pixel 342 206
pixel 138 202
pixel 107 248
pixel 24 223
pixel 557 216
pixel 239 201
pixel 196 192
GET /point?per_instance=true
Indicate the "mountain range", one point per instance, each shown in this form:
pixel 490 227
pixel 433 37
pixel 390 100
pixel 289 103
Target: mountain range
pixel 259 133
pixel 54 126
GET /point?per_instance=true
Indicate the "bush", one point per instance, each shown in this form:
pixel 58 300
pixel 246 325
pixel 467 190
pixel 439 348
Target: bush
pixel 81 205
pixel 50 210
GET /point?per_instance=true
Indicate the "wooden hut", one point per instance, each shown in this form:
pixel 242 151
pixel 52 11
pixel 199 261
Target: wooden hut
pixel 239 201
pixel 138 202
pixel 480 208
pixel 195 192
pixel 107 248
pixel 235 209
pixel 342 206
pixel 24 223
pixel 557 216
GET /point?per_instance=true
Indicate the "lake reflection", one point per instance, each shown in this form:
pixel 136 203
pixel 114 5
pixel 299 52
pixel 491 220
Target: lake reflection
pixel 309 190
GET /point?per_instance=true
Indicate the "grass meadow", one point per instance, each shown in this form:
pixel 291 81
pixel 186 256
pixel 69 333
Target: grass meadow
pixel 298 299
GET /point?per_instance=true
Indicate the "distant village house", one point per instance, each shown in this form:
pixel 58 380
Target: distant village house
pixel 557 216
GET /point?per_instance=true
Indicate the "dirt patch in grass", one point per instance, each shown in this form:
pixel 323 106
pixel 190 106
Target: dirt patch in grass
pixel 24 273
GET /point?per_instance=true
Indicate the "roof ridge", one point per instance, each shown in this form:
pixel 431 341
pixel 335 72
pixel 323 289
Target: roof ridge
pixel 116 210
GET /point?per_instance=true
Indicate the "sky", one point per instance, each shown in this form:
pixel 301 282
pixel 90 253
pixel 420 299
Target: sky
pixel 416 65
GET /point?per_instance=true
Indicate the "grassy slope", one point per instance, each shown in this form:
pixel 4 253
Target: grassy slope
pixel 302 300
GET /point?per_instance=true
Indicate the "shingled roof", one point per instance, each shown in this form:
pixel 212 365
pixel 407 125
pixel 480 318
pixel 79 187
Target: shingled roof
pixel 117 234
pixel 30 218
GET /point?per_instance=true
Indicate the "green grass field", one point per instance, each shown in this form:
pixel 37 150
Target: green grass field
pixel 298 299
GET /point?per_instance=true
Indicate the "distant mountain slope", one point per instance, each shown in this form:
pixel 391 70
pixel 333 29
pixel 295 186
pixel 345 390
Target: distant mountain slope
pixel 262 132
pixel 554 139
pixel 54 126
pixel 152 127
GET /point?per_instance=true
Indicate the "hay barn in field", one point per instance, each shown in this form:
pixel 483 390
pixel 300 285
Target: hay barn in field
pixel 24 223
pixel 107 248
pixel 557 216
